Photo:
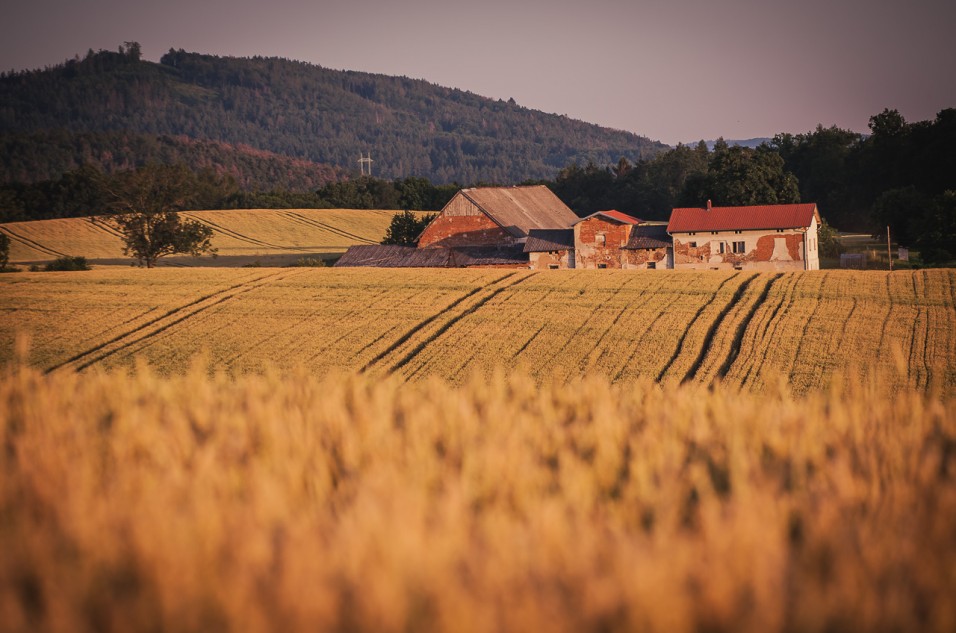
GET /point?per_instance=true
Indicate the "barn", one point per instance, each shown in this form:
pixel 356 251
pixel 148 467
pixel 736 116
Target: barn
pixel 496 216
pixel 767 237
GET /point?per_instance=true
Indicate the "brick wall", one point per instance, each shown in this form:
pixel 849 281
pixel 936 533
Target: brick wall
pixel 589 252
pixel 464 230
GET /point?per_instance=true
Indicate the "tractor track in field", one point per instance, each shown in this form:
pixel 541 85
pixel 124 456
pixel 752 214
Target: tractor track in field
pixel 424 323
pixel 743 326
pixel 37 246
pixel 797 355
pixel 690 325
pixel 913 372
pixel 584 322
pixel 106 228
pixel 438 323
pixel 327 227
pixel 452 322
pixel 650 326
pixel 243 238
pixel 752 361
pixel 162 323
pixel 714 326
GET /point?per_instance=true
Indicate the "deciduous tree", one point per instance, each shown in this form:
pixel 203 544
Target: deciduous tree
pixel 405 228
pixel 145 205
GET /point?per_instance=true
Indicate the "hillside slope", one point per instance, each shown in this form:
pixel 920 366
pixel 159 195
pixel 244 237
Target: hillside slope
pixel 47 154
pixel 742 329
pixel 410 127
pixel 241 236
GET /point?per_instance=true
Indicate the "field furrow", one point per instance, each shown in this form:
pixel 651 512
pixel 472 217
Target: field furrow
pixel 162 323
pixel 29 244
pixel 301 219
pixel 487 295
pixel 698 318
pixel 235 235
pixel 748 330
pixel 742 327
pixel 411 338
pixel 707 342
pixel 762 335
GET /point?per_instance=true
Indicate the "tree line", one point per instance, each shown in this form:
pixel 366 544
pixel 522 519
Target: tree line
pixel 89 191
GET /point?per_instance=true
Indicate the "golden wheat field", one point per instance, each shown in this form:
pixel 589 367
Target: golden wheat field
pixel 283 502
pixel 742 329
pixel 306 449
pixel 241 236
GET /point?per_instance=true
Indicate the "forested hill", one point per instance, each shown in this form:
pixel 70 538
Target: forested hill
pixel 294 109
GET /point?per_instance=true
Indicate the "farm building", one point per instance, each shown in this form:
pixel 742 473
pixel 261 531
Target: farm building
pixel 496 216
pixel 599 238
pixel 380 256
pixel 550 248
pixel 529 227
pixel 648 248
pixel 770 237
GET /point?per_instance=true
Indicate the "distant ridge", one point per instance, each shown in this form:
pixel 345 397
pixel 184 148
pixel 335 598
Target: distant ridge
pixel 296 110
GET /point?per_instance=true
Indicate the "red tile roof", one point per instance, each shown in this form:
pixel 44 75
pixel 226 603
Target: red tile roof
pixel 614 215
pixel 772 216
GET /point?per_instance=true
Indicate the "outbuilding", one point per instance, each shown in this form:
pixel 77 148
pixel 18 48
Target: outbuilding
pixel 765 237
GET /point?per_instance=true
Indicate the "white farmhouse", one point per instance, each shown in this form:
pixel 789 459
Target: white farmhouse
pixel 768 237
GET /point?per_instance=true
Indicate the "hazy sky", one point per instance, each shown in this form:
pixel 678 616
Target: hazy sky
pixel 676 70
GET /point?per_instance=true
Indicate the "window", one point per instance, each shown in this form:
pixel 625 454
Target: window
pixel 602 265
pixel 713 232
pixel 651 265
pixel 779 230
pixel 552 266
pixel 692 244
pixel 599 238
pixel 721 247
pixel 737 232
pixel 739 247
pixel 692 233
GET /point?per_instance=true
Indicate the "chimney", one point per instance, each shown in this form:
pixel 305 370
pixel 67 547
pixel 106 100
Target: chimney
pixel 708 204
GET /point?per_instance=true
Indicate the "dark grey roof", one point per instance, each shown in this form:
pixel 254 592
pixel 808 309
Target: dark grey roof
pixel 546 240
pixel 409 257
pixel 648 236
pixel 519 209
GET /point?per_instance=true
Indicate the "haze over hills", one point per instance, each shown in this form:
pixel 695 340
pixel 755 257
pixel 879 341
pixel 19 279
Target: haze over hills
pixel 96 108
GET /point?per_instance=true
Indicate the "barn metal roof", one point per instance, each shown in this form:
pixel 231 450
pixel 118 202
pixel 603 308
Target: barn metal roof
pixel 379 256
pixel 648 236
pixel 775 216
pixel 520 209
pixel 613 215
pixel 547 240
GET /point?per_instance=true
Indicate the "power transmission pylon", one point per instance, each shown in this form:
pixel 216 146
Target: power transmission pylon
pixel 365 160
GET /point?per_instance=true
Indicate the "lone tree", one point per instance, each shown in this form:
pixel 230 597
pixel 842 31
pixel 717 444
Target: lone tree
pixel 405 228
pixel 144 208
